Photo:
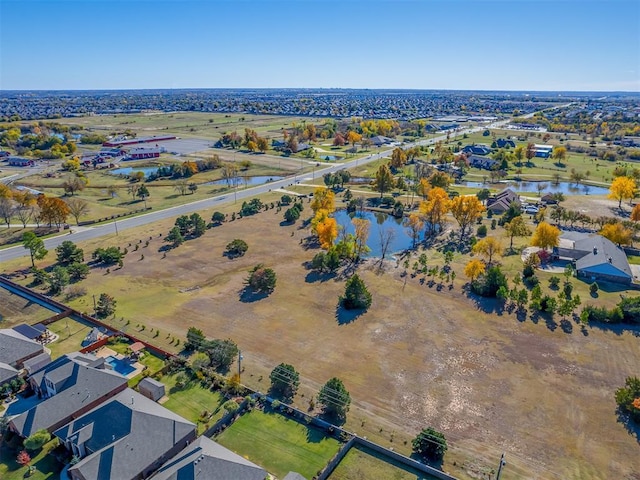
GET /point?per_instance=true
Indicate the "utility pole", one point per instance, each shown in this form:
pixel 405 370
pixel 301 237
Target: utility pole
pixel 240 357
pixel 94 307
pixel 502 464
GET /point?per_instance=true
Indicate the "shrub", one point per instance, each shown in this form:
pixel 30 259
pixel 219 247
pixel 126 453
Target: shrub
pixel 37 440
pixel 554 282
pixel 593 288
pixel 489 284
pixel 628 398
pixel 529 271
pixel 482 231
pixel 261 279
pixel 236 248
pixel 230 406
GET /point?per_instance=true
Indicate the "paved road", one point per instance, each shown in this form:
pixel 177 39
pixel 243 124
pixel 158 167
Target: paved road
pixel 124 224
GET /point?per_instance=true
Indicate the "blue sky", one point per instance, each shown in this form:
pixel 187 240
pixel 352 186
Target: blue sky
pixel 429 44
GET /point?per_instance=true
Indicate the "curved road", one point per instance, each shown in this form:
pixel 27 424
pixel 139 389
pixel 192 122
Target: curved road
pixel 132 222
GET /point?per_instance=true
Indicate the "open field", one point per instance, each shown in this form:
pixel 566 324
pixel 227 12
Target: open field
pixel 15 309
pixel 418 358
pixel 360 463
pixel 278 444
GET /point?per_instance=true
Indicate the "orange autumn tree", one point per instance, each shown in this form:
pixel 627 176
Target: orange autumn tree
pixel 435 208
pixel 635 213
pixel 466 210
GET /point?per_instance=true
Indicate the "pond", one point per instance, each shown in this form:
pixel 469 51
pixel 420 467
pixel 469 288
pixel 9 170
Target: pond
pixel 129 170
pixel 248 181
pixel 380 222
pixel 561 187
pixel 328 158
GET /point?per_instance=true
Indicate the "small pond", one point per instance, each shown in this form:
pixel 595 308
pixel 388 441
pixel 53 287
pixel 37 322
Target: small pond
pixel 249 181
pixel 379 222
pixel 328 158
pixel 562 187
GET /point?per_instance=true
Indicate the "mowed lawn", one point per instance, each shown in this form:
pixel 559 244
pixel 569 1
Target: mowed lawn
pixel 70 333
pixel 192 401
pixel 279 444
pixel 46 466
pixel 361 463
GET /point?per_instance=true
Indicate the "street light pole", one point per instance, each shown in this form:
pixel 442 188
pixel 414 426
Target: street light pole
pixel 240 357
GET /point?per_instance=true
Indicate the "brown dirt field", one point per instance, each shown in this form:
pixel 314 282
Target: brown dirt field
pixel 417 358
pixel 15 309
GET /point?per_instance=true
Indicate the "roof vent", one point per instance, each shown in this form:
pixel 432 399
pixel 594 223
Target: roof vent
pixel 610 260
pixel 595 250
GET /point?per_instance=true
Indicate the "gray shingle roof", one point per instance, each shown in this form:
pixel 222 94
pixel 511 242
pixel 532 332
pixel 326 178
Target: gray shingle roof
pixel 15 347
pixel 77 386
pixel 205 458
pixel 7 372
pixel 124 436
pixel 603 257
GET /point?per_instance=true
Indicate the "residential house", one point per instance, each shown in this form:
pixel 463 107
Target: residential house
pixel 71 385
pixel 7 373
pixel 476 150
pixel 15 348
pixel 21 162
pixel 542 151
pixel 505 143
pixel 127 437
pixel 37 363
pixel 206 459
pixel 595 257
pixel 484 163
pixel 152 389
pixel 501 202
pixel 4 154
pixel 629 141
pixel 380 140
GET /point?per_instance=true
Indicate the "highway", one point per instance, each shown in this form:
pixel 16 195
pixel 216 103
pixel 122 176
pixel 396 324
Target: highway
pixel 91 232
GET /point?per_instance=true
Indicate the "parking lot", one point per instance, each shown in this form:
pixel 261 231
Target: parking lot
pixel 183 146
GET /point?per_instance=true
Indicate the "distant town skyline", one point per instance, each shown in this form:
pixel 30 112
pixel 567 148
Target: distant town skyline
pixel 564 45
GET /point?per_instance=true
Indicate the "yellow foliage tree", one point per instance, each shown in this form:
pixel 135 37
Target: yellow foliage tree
pixel 398 158
pixel 546 236
pixel 323 199
pixel 466 210
pixel 622 188
pixel 617 233
pixel 327 232
pixel 362 235
pixel 353 137
pixel 414 224
pixel 474 269
pixel 488 247
pixel 435 207
pixel 635 213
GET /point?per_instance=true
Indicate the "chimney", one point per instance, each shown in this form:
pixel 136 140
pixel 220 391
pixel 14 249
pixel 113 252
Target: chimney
pixel 132 400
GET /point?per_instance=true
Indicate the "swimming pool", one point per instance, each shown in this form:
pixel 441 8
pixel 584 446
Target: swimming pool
pixel 120 366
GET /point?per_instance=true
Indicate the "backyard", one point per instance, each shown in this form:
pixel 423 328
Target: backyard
pixel 71 334
pixel 279 444
pixel 194 402
pixel 362 463
pixel 46 466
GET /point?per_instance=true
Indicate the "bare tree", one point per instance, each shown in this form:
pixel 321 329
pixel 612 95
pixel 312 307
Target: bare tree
pixel 386 237
pixel 6 209
pixel 77 207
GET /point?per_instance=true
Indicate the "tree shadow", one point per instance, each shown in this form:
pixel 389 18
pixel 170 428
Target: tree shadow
pixel 249 296
pixel 566 326
pixel 345 317
pixel 617 328
pixel 166 248
pixel 550 322
pixel 432 463
pixel 629 425
pixel 315 276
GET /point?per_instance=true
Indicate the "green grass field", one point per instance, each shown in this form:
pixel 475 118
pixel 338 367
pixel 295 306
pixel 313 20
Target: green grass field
pixel 279 444
pixel 71 334
pixel 361 463
pixel 191 401
pixel 46 466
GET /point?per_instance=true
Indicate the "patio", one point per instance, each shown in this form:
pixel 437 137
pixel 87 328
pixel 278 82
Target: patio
pixel 120 363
